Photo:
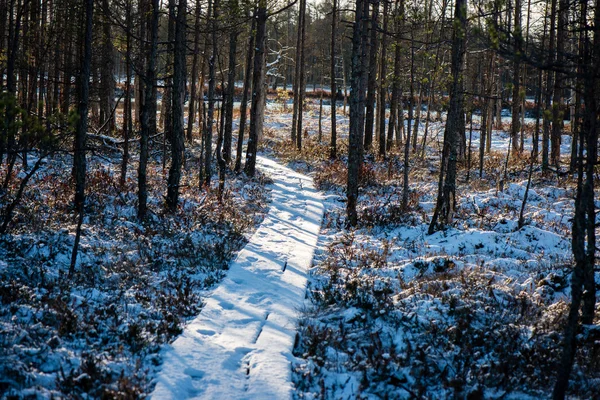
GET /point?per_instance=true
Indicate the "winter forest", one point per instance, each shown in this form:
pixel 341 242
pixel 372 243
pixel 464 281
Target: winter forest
pixel 292 199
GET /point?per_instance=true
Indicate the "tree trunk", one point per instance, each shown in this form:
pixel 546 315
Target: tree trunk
pixel 417 118
pixel 548 97
pixel 333 143
pixel 357 107
pixel 382 83
pixel 557 100
pixel 9 128
pixel 177 140
pixel 79 161
pixel 484 118
pixel 167 99
pixel 107 73
pixel 228 103
pixel 446 201
pixel 244 104
pixel 127 113
pixel 584 244
pixel 193 83
pixel 579 86
pixel 258 95
pixel 372 78
pixel 147 123
pixel 320 133
pixel 396 79
pixel 297 85
pixel 516 94
pixel 302 85
pixel 3 19
pixel 212 83
pixel 67 72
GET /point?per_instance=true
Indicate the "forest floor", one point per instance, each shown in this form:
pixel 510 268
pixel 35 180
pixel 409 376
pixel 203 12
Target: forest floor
pixel 98 334
pixel 474 311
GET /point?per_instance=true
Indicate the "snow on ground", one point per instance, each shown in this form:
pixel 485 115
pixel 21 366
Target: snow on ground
pixel 240 346
pixel 472 310
pixel 98 334
pixel 475 311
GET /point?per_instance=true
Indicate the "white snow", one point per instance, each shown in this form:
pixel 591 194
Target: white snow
pixel 240 346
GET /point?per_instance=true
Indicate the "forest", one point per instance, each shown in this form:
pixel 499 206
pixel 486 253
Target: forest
pixel 332 199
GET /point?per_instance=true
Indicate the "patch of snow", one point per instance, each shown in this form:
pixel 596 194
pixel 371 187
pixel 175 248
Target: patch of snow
pixel 240 346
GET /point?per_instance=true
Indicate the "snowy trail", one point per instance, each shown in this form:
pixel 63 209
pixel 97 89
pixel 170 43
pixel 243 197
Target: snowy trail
pixel 240 346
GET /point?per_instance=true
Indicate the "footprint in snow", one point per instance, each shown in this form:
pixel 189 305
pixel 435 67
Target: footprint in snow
pixel 226 305
pixel 193 373
pixel 257 298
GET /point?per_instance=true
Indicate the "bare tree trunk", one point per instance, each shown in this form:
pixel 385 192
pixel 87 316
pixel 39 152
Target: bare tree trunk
pixel 167 99
pixel 583 287
pixel 372 78
pixel 487 92
pixel 411 91
pixel 147 123
pixel 406 161
pixel 67 73
pixel 382 83
pixel 258 96
pixel 177 140
pixel 576 124
pixel 212 83
pixel 3 19
pixel 469 145
pixel 79 161
pixel 244 104
pixel 400 131
pixel 344 82
pixel 396 79
pixel 557 100
pixel 357 107
pixel 516 94
pixel 107 74
pixel 193 83
pixel 220 160
pixel 228 103
pixel 302 85
pixel 8 132
pixel 297 85
pixel 333 144
pixel 446 201
pixel 127 113
pixel 32 72
pixel 548 97
pixel 79 158
pixel 320 134
pixel 538 102
pixel 417 118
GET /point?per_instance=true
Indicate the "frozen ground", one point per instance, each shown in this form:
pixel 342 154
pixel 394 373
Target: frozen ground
pixel 98 334
pixel 240 346
pixel 475 311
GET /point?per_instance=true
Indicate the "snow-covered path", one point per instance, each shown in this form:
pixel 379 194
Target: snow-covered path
pixel 240 346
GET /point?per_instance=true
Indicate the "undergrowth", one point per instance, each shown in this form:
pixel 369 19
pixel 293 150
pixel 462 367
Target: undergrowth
pixel 455 329
pixel 475 311
pixel 97 335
